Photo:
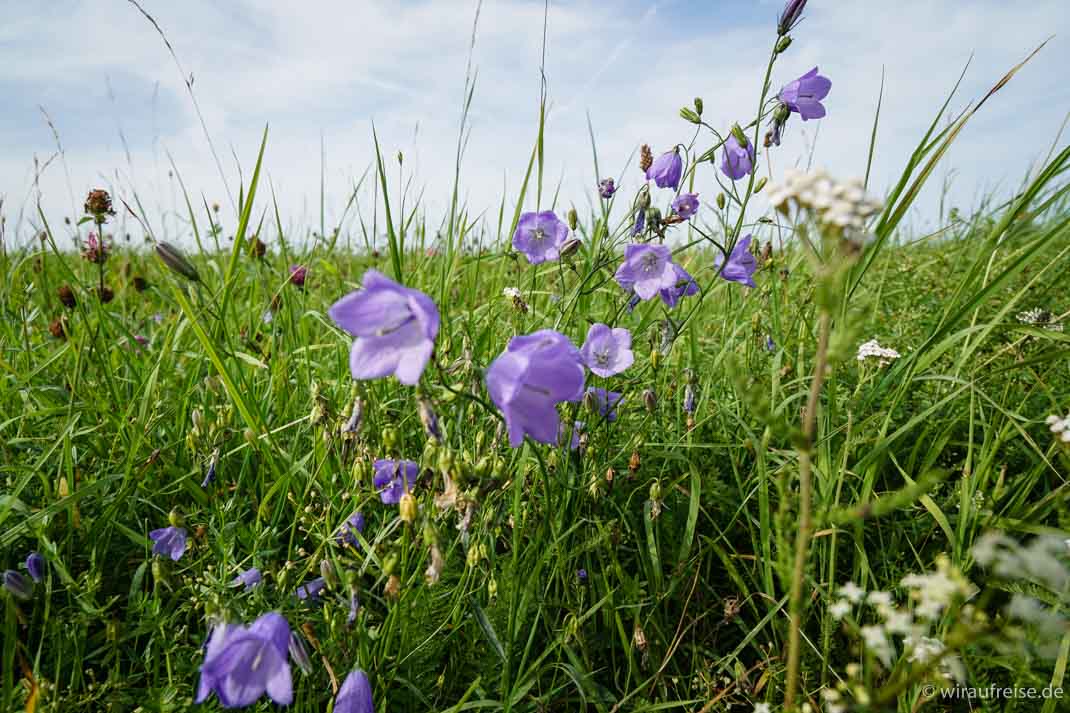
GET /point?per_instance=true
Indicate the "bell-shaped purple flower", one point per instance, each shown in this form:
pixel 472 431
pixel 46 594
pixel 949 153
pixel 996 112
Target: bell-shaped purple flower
pixel 355 695
pixel 738 161
pixel 605 402
pixel 17 585
pixel 540 236
pixel 248 578
pixel 311 589
pixel 685 286
pixel 242 663
pixel 804 95
pixel 741 265
pixel 607 351
pixel 35 565
pixel 169 542
pixel 346 533
pixel 394 478
pixel 666 170
pixel 395 327
pixel 685 205
pixel 646 270
pixel 526 382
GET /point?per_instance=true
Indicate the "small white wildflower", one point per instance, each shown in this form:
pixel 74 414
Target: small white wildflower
pixel 871 348
pixel 762 708
pixel 267 317
pixel 852 592
pixel 877 642
pixel 839 609
pixel 898 621
pixel 879 600
pixel 512 293
pixel 923 649
pixel 1040 318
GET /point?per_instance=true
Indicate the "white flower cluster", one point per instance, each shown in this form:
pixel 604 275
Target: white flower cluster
pixel 1060 427
pixel 843 205
pixel 512 293
pixel 1040 318
pixel 872 349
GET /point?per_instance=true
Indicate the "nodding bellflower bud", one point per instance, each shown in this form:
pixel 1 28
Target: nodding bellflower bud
pixel 721 201
pixel 18 585
pixel 690 115
pixel 783 43
pixel 790 16
pixel 570 247
pixel 407 508
pixel 737 131
pixel 573 218
pixel 299 653
pixel 176 261
pixel 698 105
pixel 429 419
pixel 650 400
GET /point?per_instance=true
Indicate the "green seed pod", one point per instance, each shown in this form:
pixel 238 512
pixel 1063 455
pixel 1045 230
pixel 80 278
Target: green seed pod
pixel 407 508
pixel 175 518
pixel 698 105
pixel 390 438
pixel 740 136
pixel 783 43
pixel 390 563
pixel 721 201
pixel 250 436
pixel 573 218
pixel 761 184
pixel 690 115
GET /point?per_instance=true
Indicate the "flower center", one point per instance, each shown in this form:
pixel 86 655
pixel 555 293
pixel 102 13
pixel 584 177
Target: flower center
pixel 390 329
pixel 602 357
pixel 649 263
pixel 538 235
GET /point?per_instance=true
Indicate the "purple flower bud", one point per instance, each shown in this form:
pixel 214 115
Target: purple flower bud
pixel 429 419
pixel 738 160
pixel 355 695
pixel 299 653
pixel 35 565
pixel 770 345
pixel 298 273
pixel 666 170
pixel 640 222
pixel 789 17
pixel 353 424
pixel 312 589
pixel 606 188
pixel 17 585
pixel 689 399
pixel 581 575
pixel 354 607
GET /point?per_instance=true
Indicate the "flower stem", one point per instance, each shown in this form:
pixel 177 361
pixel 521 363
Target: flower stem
pixel 802 540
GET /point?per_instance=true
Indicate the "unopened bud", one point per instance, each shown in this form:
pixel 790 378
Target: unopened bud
pixel 740 136
pixel 299 653
pixel 176 261
pixel 492 587
pixel 328 574
pixel 429 419
pixel 250 436
pixel 407 508
pixel 690 115
pixel 570 247
pixel 573 218
pixel 783 43
pixel 761 184
pixel 720 201
pixel 698 105
pixel 175 518
pixel 650 400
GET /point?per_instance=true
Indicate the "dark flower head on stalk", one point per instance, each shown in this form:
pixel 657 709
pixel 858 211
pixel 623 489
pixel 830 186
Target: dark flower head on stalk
pixel 646 270
pixel 169 542
pixel 790 16
pixel 298 273
pixel 394 326
pixel 606 351
pixel 248 579
pixel 741 264
pixel 98 205
pixel 394 478
pixel 804 95
pixel 666 170
pixel 35 565
pixel 526 382
pixel 685 205
pixel 347 533
pixel 355 695
pixel 738 161
pixel 540 236
pixel 242 663
pixel 605 402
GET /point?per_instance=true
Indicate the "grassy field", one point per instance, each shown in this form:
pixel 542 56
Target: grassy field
pixel 754 526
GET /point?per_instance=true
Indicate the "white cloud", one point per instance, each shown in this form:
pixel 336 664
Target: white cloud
pixel 331 68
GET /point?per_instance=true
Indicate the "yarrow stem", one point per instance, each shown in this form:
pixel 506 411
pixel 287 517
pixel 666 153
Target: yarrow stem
pixel 802 540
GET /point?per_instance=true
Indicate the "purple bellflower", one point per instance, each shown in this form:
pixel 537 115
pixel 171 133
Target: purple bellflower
pixel 804 95
pixel 685 205
pixel 666 170
pixel 685 286
pixel 35 565
pixel 169 542
pixel 605 402
pixel 640 222
pixel 646 270
pixel 311 589
pixel 247 578
pixel 738 161
pixel 540 236
pixel 606 351
pixel 355 695
pixel 395 327
pixel 394 478
pixel 346 533
pixel 741 265
pixel 526 382
pixel 242 663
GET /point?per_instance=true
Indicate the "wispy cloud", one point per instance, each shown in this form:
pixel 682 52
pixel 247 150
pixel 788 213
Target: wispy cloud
pixel 328 69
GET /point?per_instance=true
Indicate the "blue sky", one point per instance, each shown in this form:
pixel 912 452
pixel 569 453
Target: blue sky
pixel 329 68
